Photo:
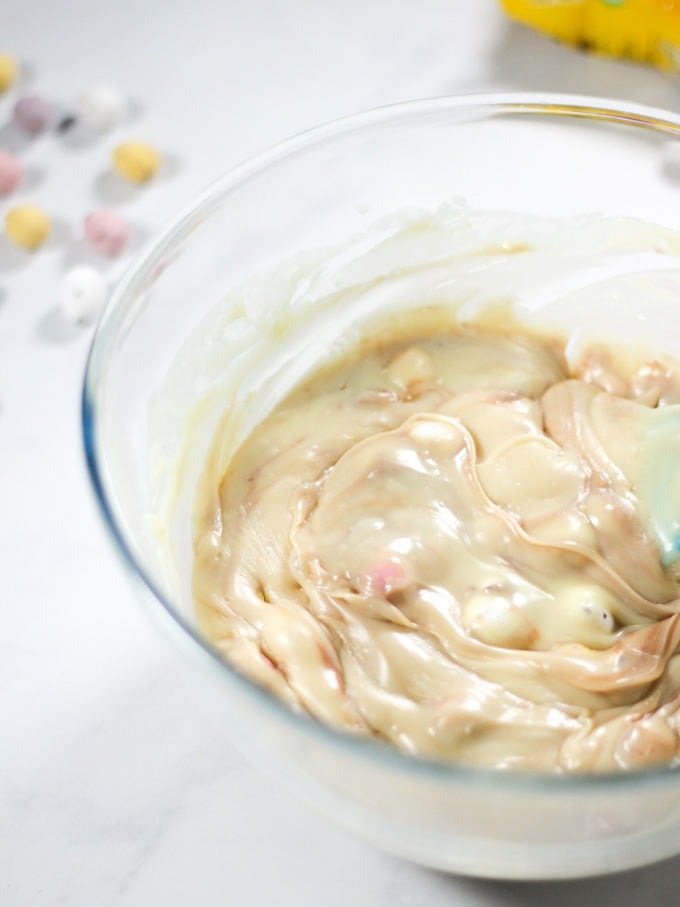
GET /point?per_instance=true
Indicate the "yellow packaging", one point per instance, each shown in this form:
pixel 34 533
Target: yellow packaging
pixel 643 30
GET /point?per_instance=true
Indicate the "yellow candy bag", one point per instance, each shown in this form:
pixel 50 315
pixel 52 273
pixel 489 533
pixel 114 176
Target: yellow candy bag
pixel 644 30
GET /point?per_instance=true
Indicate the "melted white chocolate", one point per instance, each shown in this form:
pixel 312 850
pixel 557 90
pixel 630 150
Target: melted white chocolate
pixel 449 542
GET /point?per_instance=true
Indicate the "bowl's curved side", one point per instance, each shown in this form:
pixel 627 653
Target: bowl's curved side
pixel 462 820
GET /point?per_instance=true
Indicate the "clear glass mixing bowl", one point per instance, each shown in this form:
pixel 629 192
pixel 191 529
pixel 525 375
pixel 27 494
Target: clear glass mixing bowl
pixel 549 155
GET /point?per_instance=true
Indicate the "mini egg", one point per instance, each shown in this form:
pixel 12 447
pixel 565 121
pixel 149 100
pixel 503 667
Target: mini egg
pixel 106 231
pixel 82 294
pixel 8 72
pixel 495 621
pixel 136 161
pixel 102 107
pixel 410 367
pixel 586 614
pixel 27 226
pixel 32 114
pixel 11 171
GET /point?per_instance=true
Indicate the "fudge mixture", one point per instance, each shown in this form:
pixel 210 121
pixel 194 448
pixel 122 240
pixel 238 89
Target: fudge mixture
pixel 455 542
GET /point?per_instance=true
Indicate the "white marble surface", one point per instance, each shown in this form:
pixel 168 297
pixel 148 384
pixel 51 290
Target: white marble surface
pixel 112 790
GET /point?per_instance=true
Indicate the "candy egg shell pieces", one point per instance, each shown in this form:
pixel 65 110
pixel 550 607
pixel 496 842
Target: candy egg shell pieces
pixel 136 161
pixel 8 72
pixel 11 171
pixel 106 231
pixel 82 294
pixel 102 107
pixel 27 226
pixel 32 115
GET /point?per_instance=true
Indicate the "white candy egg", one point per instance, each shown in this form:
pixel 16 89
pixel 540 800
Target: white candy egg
pixel 102 107
pixel 410 367
pixel 494 620
pixel 83 294
pixel 585 614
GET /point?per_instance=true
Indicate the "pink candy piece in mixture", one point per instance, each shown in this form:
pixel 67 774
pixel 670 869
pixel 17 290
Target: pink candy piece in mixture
pixel 385 576
pixel 32 115
pixel 11 172
pixel 106 231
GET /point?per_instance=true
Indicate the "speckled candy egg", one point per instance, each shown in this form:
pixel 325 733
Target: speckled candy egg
pixel 27 226
pixel 82 294
pixel 136 161
pixel 32 114
pixel 102 107
pixel 8 72
pixel 11 172
pixel 106 231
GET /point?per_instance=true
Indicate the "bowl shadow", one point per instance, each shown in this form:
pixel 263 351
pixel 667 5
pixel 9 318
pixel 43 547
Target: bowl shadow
pixel 655 884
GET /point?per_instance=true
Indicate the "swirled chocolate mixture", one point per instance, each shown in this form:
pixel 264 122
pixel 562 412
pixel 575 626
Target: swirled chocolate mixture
pixel 450 543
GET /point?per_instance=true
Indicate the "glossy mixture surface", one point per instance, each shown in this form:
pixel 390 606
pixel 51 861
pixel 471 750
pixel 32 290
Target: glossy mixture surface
pixel 455 542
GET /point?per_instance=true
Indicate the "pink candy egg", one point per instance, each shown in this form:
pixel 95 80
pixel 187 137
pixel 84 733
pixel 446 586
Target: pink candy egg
pixel 32 114
pixel 106 231
pixel 10 172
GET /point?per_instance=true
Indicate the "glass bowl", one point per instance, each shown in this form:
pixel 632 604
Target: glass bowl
pixel 551 155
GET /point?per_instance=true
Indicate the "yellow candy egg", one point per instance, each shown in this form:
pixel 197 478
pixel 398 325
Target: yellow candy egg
pixel 27 226
pixel 136 161
pixel 8 71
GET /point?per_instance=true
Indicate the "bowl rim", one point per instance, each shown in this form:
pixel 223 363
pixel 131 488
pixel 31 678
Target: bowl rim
pixel 486 105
